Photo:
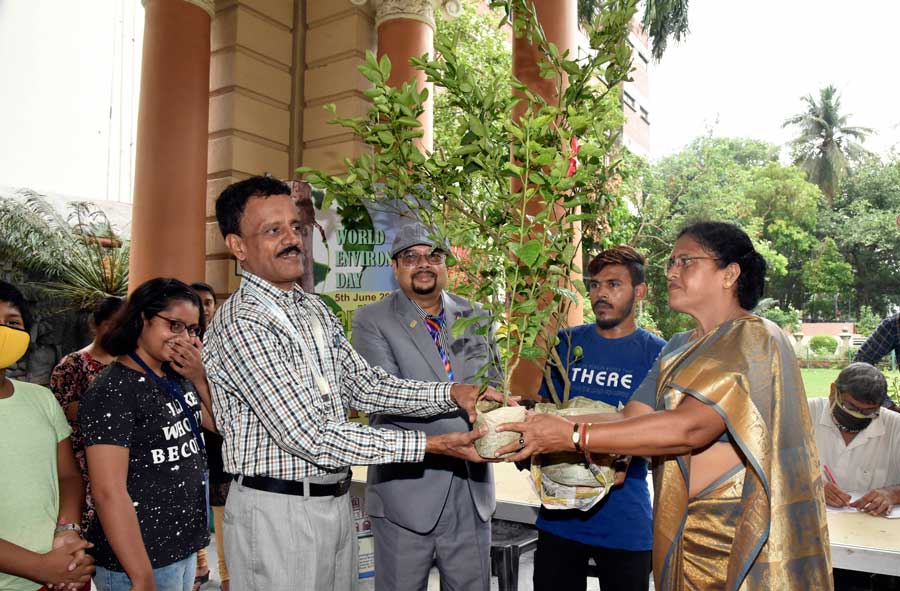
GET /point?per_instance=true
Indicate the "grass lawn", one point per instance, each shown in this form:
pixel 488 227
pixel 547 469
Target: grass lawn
pixel 818 381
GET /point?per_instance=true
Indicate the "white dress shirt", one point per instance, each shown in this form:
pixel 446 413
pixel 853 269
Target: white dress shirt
pixel 871 460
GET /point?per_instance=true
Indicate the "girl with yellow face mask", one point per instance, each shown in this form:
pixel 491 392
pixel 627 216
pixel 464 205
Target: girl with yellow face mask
pixel 41 492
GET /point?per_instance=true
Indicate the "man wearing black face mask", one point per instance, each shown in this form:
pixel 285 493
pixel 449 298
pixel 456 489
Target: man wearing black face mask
pixel 859 444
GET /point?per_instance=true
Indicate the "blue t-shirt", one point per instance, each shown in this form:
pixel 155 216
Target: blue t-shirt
pixel 610 370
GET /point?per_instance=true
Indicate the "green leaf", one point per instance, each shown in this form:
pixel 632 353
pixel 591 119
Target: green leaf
pixel 461 324
pixel 385 67
pixel 469 149
pixel 567 293
pixel 531 353
pixel 385 138
pixel 529 252
pixel 577 217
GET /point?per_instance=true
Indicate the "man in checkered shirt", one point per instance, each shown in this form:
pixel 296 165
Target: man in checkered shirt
pixel 880 343
pixel 282 377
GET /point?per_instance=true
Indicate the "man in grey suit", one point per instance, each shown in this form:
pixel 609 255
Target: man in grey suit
pixel 438 510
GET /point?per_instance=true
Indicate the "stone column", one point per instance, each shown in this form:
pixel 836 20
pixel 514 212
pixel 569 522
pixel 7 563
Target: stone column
pixel 405 30
pixel 167 234
pixel 559 19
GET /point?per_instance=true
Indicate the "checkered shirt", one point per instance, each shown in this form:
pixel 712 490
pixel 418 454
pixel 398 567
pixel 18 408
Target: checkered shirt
pixel 885 339
pixel 274 420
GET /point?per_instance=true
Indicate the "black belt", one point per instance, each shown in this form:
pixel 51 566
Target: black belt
pixel 293 487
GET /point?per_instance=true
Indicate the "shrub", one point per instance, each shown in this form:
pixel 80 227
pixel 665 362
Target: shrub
pixel 788 319
pixel 823 345
pixel 868 321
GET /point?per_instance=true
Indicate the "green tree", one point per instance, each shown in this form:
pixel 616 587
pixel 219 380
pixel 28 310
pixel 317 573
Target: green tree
pixel 867 321
pixel 733 179
pixel 663 19
pixel 74 259
pixel 517 232
pixel 787 207
pixel 863 223
pixel 826 144
pixel 788 318
pixel 484 48
pixel 827 276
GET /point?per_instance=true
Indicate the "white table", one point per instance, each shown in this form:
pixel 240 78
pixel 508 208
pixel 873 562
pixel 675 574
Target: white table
pixel 858 541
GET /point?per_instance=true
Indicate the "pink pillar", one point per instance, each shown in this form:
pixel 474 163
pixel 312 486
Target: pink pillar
pixel 559 19
pixel 401 37
pixel 169 209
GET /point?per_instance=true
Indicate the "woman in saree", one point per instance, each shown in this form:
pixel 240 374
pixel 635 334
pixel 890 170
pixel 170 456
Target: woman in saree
pixel 739 501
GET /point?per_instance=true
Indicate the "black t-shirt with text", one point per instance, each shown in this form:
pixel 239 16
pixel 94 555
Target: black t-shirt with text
pixel 166 467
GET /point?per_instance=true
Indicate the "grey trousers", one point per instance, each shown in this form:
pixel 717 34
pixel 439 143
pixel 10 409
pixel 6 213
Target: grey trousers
pixel 460 544
pixel 276 542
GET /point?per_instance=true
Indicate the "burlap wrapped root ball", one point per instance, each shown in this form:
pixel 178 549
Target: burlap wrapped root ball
pixel 492 415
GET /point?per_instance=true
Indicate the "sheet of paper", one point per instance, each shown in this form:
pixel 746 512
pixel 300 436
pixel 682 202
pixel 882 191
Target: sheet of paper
pixel 894 513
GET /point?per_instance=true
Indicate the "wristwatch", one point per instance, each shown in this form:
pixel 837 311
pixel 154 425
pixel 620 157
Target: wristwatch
pixel 64 527
pixel 576 437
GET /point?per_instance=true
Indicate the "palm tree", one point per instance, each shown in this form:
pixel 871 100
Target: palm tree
pixel 826 143
pixel 75 260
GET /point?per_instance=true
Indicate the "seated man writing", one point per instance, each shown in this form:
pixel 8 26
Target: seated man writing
pixel 859 444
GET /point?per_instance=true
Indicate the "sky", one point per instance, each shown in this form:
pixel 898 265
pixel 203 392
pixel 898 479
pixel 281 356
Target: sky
pixel 744 67
pixel 68 103
pixel 71 72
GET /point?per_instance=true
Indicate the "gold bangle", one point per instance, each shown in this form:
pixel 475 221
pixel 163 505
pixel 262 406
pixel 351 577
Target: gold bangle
pixel 587 443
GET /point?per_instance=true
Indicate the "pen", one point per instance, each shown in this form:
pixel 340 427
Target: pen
pixel 829 474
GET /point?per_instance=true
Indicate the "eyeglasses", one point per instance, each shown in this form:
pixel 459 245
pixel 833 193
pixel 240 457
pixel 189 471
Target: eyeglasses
pixel 855 411
pixel 684 261
pixel 411 258
pixel 178 327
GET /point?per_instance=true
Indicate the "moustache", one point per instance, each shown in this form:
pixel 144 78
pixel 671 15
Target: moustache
pixel 602 304
pixel 290 249
pixel 424 273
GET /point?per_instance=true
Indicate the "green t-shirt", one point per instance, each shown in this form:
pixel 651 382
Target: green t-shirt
pixel 31 426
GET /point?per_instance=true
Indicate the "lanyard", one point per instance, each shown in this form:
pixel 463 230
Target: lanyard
pixel 175 391
pixel 318 335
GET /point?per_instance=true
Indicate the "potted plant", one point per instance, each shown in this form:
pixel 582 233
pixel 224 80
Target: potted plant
pixel 522 180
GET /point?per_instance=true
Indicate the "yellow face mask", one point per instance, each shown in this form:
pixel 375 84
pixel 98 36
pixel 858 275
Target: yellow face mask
pixel 13 345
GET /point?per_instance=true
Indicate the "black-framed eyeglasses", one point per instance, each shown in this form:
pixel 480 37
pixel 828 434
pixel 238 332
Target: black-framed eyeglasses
pixel 411 258
pixel 178 327
pixel 684 261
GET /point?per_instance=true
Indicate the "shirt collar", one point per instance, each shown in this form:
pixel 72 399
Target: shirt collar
pixel 425 314
pixel 278 295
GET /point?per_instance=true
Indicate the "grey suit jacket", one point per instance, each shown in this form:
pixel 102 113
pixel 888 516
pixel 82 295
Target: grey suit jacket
pixel 391 334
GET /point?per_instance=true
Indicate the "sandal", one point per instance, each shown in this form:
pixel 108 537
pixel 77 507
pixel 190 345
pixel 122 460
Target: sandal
pixel 199 580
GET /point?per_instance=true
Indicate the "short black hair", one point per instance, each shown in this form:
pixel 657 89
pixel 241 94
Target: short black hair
pixel 105 309
pixel 149 299
pixel 200 286
pixel 10 293
pixel 232 201
pixel 620 255
pixel 730 244
pixel 863 382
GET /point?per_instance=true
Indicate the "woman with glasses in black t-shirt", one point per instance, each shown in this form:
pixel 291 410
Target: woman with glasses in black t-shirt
pixel 140 421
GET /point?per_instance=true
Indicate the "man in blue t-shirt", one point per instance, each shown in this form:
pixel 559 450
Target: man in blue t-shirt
pixel 609 360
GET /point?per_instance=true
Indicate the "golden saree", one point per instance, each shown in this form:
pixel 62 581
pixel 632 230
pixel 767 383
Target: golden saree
pixel 761 526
